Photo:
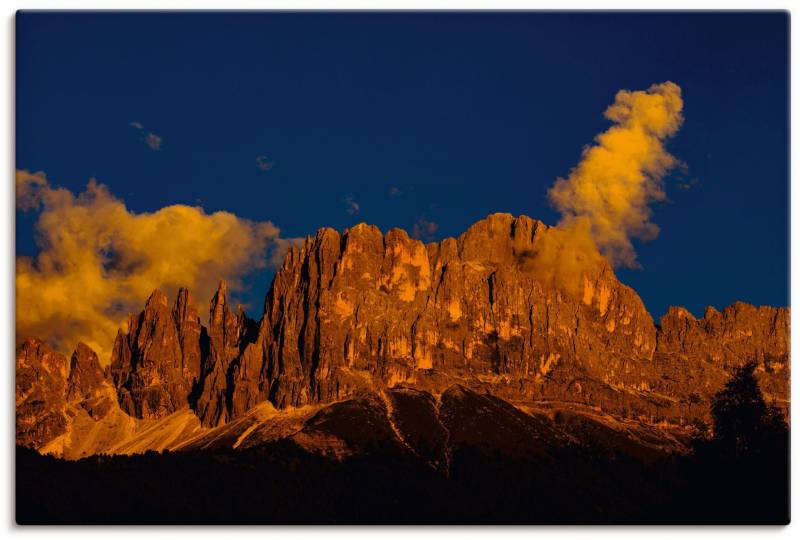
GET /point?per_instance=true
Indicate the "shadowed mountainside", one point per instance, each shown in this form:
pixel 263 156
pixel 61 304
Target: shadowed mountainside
pixel 408 458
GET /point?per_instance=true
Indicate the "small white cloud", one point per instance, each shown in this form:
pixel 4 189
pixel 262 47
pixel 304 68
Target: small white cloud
pixel 353 208
pixel 395 191
pixel 153 141
pixel 424 229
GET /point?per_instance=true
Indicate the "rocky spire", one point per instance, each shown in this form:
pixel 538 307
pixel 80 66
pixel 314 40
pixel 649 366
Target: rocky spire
pixel 88 384
pixel 223 326
pixel 224 333
pixel 187 323
pixel 148 364
pixel 86 377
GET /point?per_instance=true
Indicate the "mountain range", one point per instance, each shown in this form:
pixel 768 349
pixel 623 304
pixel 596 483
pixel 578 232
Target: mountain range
pixel 369 337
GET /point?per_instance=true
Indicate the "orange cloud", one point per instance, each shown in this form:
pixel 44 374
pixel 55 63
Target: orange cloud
pixel 611 189
pixel 99 261
pixel 563 256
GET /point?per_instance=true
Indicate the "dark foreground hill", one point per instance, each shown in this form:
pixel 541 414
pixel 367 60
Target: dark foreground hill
pixel 475 460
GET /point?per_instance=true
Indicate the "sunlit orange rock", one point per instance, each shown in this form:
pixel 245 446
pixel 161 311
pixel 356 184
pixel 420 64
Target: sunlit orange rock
pixel 87 383
pixel 227 334
pixel 362 313
pixel 41 384
pixel 155 364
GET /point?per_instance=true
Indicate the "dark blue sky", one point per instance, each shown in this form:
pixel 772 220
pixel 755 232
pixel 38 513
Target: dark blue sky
pixel 467 114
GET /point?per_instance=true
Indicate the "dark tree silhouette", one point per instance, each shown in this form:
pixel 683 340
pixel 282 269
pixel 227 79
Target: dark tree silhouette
pixel 744 425
pixel 741 473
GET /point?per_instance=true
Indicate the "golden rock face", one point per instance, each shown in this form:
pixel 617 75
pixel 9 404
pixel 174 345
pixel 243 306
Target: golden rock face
pixel 41 386
pixel 362 312
pixel 476 311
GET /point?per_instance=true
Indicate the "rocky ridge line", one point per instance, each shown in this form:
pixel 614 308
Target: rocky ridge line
pixel 349 311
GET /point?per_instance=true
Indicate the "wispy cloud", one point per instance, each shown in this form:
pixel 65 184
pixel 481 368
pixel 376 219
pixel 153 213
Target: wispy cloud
pixel 264 163
pixel 424 229
pixel 352 207
pixel 152 140
pixel 395 191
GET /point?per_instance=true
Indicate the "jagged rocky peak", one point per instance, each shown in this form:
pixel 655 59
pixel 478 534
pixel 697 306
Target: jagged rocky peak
pixel 157 362
pixel 224 324
pixel 88 385
pixel 167 360
pixel 41 359
pixel 86 376
pixel 228 333
pixel 737 334
pixel 50 388
pixel 41 381
pixel 191 335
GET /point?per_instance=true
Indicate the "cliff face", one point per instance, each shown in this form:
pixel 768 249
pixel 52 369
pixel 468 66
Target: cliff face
pixel 361 312
pixel 87 383
pixel 739 333
pixel 474 311
pixel 54 395
pixel 40 393
pixel 157 363
pixel 468 308
pixel 727 339
pixel 227 334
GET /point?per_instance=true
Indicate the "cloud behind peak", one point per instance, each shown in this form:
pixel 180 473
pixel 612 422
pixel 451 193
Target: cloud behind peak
pixel 99 261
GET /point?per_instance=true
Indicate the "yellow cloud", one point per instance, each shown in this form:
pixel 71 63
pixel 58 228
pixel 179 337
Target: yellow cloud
pixel 563 256
pixel 98 261
pixel 618 177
